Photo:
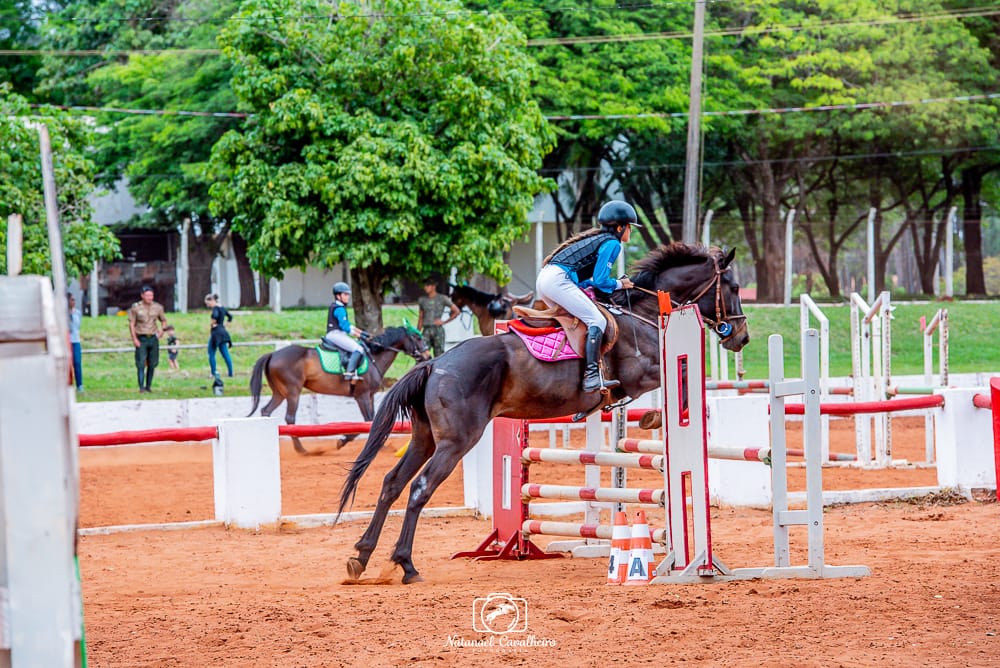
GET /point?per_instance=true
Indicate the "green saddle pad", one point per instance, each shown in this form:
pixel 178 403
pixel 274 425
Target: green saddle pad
pixel 330 362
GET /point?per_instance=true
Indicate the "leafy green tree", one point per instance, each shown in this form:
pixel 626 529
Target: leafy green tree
pixel 21 189
pixel 20 21
pixel 161 157
pixel 398 136
pixel 790 56
pixel 585 71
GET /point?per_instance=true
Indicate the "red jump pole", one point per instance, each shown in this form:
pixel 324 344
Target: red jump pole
pixel 858 407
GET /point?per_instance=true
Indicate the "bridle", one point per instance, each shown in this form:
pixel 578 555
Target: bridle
pixel 723 322
pixel 417 354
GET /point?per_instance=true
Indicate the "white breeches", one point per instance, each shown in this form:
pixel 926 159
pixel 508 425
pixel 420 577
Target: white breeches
pixel 342 339
pixel 554 287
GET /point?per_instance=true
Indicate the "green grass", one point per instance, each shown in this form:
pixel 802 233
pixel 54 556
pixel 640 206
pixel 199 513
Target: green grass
pixel 111 376
pixel 971 341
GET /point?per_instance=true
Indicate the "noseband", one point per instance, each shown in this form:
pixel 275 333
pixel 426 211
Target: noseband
pixel 722 324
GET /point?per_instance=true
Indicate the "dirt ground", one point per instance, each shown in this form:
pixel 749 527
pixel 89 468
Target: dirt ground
pixel 278 597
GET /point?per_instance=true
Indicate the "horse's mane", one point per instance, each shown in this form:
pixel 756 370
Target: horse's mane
pixel 477 297
pixel 387 338
pixel 658 260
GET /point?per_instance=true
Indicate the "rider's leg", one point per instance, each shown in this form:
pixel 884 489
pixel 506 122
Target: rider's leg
pixel 555 287
pixel 344 341
pixel 352 365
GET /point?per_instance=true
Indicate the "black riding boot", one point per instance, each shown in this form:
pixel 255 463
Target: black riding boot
pixel 592 371
pixel 141 375
pixel 149 379
pixel 352 365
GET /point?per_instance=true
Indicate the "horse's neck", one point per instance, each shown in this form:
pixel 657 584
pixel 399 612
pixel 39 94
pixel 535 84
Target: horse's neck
pixel 383 359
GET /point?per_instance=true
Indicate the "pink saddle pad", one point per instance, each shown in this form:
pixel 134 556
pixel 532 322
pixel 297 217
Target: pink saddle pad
pixel 551 347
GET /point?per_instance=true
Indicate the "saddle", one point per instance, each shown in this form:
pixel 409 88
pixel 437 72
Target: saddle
pixel 334 360
pixel 547 320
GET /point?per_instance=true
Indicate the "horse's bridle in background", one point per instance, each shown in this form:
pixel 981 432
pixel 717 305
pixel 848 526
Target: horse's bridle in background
pixel 722 324
pixel 417 355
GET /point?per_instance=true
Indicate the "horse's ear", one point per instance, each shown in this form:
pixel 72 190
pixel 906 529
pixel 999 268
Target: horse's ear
pixel 728 259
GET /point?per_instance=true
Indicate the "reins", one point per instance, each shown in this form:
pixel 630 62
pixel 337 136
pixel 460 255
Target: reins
pixel 722 323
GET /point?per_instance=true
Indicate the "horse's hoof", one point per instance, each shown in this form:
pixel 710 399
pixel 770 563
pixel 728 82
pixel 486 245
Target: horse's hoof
pixel 341 442
pixel 355 568
pixel 412 579
pixel 651 420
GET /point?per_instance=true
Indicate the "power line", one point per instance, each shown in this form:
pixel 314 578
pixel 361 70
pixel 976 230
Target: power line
pixel 555 41
pixel 143 112
pixel 853 106
pixel 775 161
pixel 369 15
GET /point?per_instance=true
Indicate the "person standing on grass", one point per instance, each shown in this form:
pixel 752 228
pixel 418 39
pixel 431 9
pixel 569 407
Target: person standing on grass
pixel 172 349
pixel 431 308
pixel 146 319
pixel 218 337
pixel 75 318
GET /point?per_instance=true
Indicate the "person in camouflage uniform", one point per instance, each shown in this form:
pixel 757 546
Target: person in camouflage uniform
pixel 432 307
pixel 146 319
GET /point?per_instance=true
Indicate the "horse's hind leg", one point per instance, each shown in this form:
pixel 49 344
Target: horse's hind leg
pixel 420 449
pixel 440 466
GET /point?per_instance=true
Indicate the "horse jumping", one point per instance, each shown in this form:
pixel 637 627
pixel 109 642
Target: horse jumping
pixel 488 307
pixel 294 368
pixel 450 399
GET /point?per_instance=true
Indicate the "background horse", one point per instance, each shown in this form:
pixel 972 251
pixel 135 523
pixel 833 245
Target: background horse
pixel 487 307
pixel 293 368
pixel 450 399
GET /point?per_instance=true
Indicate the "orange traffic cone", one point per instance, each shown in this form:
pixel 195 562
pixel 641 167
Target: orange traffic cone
pixel 620 546
pixel 640 557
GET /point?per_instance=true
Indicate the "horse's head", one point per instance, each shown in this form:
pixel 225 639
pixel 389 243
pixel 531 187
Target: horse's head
pixel 406 339
pixel 695 275
pixel 413 343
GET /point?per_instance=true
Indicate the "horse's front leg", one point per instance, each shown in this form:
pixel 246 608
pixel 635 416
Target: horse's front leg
pixel 421 447
pixel 366 402
pixel 438 469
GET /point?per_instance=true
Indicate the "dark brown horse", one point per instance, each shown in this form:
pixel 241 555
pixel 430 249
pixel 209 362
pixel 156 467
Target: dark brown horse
pixel 451 398
pixel 294 368
pixel 486 306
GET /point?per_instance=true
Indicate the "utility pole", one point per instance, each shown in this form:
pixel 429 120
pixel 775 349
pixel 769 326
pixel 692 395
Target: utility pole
pixel 693 162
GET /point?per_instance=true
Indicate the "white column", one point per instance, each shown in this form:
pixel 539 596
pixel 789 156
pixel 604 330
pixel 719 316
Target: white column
pixel 789 247
pixel 247 472
pixel 964 436
pixel 477 474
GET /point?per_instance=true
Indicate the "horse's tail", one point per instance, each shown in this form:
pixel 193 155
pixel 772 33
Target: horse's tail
pixel 402 399
pixel 256 380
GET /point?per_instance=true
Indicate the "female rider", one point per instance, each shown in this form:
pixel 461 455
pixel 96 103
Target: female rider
pixel 582 261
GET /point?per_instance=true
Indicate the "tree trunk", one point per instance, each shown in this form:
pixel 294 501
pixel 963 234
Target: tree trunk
pixel 367 291
pixel 248 293
pixel 201 253
pixel 972 229
pixel 771 265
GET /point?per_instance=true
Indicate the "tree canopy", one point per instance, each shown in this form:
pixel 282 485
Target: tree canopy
pixel 403 141
pixel 21 188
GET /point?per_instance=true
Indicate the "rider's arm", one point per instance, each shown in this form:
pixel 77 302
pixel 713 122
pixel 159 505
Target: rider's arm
pixel 331 316
pixel 345 325
pixel 606 256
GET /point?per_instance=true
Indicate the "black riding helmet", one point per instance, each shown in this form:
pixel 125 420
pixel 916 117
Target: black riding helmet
pixel 616 213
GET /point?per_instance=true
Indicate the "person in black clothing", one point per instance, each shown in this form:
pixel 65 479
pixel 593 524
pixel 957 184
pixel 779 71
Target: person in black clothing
pixel 218 338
